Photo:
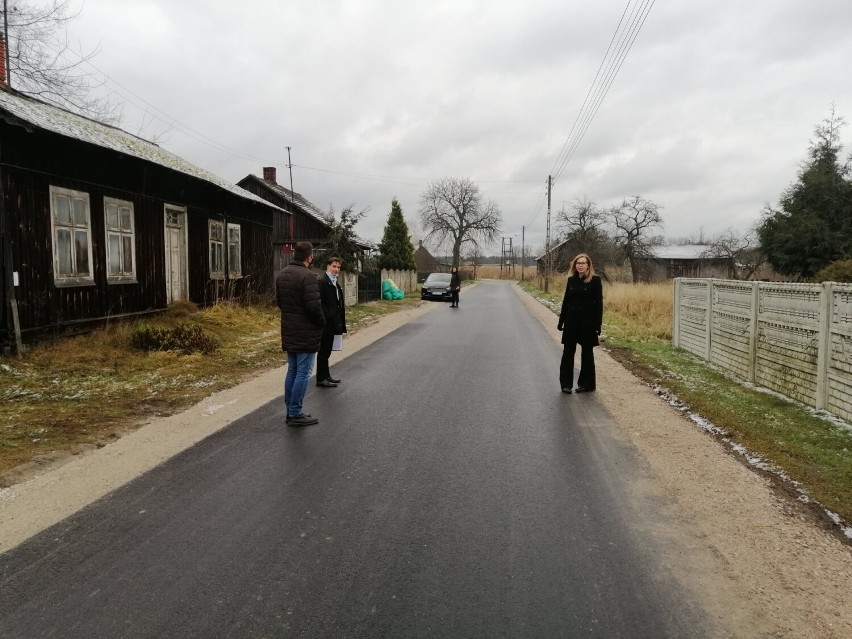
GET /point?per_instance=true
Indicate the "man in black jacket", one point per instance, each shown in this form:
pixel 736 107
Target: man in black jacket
pixel 302 323
pixel 334 310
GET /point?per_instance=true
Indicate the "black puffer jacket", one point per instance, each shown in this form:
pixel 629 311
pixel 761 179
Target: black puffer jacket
pixel 302 321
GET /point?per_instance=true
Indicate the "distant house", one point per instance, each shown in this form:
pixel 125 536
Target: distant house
pixel 665 262
pixel 306 222
pixel 98 224
pixel 425 261
pixel 686 260
pixel 560 257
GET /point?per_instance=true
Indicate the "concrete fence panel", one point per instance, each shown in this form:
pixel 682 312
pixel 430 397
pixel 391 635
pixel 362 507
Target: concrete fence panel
pixel 349 284
pixel 795 339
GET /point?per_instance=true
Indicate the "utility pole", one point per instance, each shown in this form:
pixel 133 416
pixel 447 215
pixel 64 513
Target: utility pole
pixel 8 77
pixel 292 200
pixel 290 167
pixel 523 257
pixel 548 258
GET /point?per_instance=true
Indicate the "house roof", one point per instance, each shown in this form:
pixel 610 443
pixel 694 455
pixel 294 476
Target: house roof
pixel 299 201
pixel 34 113
pixel 680 252
pixel 296 199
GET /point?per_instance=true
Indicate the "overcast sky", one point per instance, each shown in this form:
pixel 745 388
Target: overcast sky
pixel 710 115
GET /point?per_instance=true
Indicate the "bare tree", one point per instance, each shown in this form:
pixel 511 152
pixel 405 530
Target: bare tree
pixel 582 220
pixel 43 64
pixel 741 252
pixel 453 209
pixel 634 220
pixel 583 225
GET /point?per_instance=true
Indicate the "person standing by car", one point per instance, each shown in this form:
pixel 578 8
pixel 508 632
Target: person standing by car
pixel 580 322
pixel 455 287
pixel 334 310
pixel 302 323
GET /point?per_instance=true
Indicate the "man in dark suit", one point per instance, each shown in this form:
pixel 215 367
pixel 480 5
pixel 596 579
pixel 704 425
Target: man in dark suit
pixel 334 310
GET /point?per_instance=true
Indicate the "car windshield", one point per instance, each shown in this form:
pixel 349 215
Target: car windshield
pixel 438 278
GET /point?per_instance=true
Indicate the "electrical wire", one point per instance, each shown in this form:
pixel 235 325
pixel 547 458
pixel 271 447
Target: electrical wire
pixel 624 44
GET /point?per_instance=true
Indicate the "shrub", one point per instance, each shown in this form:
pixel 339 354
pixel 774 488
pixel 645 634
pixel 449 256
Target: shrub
pixel 839 271
pixel 182 338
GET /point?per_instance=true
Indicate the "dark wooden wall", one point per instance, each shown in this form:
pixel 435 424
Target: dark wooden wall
pixel 32 162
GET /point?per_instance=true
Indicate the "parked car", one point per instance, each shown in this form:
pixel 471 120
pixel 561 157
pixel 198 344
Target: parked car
pixel 436 287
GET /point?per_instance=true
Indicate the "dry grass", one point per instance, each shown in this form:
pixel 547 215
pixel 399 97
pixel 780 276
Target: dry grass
pixel 76 393
pixel 646 305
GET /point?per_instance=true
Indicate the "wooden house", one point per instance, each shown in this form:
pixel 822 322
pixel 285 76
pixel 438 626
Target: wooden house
pixel 96 224
pixel 684 260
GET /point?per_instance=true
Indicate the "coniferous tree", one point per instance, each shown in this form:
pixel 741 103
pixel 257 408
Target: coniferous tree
pixel 396 250
pixel 342 240
pixel 813 225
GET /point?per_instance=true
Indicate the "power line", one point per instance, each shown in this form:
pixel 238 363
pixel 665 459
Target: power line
pixel 623 44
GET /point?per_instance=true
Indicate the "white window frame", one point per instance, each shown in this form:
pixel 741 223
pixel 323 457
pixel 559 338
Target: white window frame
pixel 216 249
pixel 125 275
pixel 235 251
pixel 77 229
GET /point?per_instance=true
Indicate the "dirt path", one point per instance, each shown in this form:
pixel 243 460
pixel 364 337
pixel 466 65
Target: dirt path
pixel 756 560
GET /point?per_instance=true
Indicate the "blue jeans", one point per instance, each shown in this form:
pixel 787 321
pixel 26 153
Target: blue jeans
pixel 299 367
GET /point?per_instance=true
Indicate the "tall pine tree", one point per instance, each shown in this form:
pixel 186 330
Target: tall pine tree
pixel 396 250
pixel 813 224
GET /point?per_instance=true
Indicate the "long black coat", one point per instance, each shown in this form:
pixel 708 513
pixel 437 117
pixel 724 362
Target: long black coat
pixel 302 321
pixel 333 308
pixel 582 311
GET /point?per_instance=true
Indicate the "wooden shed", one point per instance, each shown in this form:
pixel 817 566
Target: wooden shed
pixel 96 223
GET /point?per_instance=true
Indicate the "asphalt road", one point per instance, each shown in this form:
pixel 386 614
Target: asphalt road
pixel 449 490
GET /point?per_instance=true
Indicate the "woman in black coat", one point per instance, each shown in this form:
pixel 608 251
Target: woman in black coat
pixel 455 287
pixel 580 323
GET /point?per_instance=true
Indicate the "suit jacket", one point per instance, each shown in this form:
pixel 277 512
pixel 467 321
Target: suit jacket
pixel 333 308
pixel 582 311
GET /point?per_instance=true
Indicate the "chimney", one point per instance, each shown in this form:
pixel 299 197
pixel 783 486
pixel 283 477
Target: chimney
pixel 269 174
pixel 3 82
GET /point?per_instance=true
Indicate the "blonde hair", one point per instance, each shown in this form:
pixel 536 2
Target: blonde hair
pixel 572 271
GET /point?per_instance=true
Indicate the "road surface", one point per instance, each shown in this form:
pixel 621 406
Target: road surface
pixel 449 490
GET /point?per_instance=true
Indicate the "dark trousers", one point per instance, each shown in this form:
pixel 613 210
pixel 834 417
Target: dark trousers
pixel 586 378
pixel 455 298
pixel 326 342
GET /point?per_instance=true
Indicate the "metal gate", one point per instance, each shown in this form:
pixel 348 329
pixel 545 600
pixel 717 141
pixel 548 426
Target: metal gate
pixel 369 286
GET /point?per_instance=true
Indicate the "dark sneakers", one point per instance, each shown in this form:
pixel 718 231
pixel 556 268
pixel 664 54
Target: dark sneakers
pixel 583 389
pixel 566 389
pixel 326 383
pixel 302 420
pixel 334 381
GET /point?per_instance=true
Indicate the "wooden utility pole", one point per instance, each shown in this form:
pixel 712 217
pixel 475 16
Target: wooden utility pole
pixel 548 258
pixel 523 256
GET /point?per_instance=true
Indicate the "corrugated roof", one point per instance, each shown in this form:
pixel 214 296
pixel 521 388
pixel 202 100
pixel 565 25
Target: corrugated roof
pixel 680 252
pixel 50 118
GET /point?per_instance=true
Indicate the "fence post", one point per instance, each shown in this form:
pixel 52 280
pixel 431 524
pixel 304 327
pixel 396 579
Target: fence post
pixel 826 304
pixel 676 313
pixel 753 332
pixel 709 336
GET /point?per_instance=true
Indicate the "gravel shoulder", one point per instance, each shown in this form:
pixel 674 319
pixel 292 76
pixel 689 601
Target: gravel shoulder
pixel 755 558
